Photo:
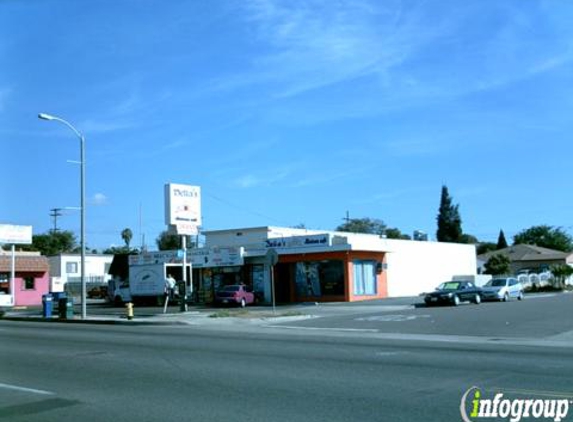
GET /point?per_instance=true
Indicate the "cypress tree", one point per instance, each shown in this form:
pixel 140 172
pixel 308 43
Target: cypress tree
pixel 501 242
pixel 449 220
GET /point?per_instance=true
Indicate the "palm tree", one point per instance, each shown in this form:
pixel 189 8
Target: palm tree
pixel 127 235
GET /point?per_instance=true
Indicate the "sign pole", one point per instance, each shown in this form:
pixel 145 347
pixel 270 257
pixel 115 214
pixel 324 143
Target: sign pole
pixel 273 287
pixel 183 292
pixel 272 258
pixel 13 276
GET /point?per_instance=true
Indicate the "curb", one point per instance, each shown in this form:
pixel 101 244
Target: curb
pixel 90 321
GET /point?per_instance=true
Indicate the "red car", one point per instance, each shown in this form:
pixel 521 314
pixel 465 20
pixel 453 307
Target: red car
pixel 237 293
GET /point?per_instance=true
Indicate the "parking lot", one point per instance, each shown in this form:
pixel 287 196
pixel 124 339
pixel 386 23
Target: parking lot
pixel 537 316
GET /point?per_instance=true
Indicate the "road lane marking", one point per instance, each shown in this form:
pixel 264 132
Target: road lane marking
pixel 26 390
pixel 540 296
pixel 292 327
pixel 391 318
pixel 390 353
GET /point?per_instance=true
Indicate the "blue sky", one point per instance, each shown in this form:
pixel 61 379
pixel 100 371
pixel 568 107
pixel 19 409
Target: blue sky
pixel 288 112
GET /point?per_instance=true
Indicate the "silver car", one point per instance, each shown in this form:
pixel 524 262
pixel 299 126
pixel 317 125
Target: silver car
pixel 502 289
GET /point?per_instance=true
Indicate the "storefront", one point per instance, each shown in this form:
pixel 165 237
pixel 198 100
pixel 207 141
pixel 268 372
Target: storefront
pixel 317 266
pixel 310 268
pixel 330 276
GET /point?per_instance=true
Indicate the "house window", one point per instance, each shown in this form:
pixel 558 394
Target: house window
pixel 29 283
pixel 364 277
pixel 71 267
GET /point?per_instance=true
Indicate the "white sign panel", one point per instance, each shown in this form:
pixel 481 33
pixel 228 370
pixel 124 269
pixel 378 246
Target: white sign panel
pixel 198 258
pixel 186 229
pixel 182 205
pixel 160 257
pixel 6 300
pixel 315 240
pixel 217 257
pixel 15 234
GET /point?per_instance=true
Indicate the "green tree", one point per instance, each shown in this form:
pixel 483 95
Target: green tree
pixel 127 235
pixel 394 233
pixel 545 236
pixel 561 273
pixel 363 225
pixel 468 239
pixel 167 241
pixel 449 220
pixel 498 264
pixel 53 243
pixel 501 242
pixel 485 247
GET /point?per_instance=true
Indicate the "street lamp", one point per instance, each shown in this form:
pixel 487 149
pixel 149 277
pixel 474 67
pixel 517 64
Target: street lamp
pixel 44 116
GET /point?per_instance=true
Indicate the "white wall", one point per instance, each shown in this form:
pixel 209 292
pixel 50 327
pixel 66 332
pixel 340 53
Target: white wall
pixel 95 266
pixel 252 235
pixel 415 267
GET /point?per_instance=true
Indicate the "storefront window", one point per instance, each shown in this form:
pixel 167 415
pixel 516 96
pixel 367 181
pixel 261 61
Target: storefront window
pixel 319 278
pixel 364 277
pixel 4 282
pixel 258 278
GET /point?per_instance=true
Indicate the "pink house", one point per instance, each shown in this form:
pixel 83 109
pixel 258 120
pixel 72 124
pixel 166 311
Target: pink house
pixel 32 278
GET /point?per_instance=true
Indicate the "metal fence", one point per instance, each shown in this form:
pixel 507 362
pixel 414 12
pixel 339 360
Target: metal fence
pixel 74 285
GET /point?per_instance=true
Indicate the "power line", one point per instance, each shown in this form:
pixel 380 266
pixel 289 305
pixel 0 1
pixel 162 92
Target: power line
pixel 246 209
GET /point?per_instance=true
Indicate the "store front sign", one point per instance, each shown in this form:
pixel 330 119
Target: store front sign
pixel 216 257
pixel 198 258
pixel 315 240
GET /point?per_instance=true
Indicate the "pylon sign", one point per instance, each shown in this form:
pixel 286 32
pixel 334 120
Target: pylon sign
pixel 183 207
pixel 21 235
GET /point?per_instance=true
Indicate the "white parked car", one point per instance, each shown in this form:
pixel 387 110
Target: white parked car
pixel 504 289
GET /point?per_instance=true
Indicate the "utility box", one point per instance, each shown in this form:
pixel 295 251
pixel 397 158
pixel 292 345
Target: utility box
pixel 66 308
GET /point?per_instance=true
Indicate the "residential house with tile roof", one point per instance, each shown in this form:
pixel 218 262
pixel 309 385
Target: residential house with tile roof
pixel 31 280
pixel 531 258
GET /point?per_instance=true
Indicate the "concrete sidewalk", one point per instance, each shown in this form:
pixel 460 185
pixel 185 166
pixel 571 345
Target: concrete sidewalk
pixel 197 315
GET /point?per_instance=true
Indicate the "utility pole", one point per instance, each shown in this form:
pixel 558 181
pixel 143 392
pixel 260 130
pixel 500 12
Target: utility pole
pixel 347 218
pixel 55 213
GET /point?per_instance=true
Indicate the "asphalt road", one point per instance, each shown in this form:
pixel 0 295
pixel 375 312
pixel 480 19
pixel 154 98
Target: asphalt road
pixel 538 316
pixel 341 368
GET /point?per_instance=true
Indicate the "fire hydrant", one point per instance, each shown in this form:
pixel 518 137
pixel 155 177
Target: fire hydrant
pixel 129 310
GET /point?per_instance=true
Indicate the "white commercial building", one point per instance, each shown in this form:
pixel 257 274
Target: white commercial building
pixel 326 266
pixel 65 269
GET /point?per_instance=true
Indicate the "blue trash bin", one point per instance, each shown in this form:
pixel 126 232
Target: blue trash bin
pixel 47 305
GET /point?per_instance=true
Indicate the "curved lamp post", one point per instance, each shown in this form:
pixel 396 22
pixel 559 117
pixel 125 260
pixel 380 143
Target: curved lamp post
pixel 44 116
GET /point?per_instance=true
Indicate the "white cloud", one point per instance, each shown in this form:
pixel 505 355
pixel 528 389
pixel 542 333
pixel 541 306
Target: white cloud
pixel 99 199
pixel 104 126
pixel 317 44
pixel 248 181
pixel 270 178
